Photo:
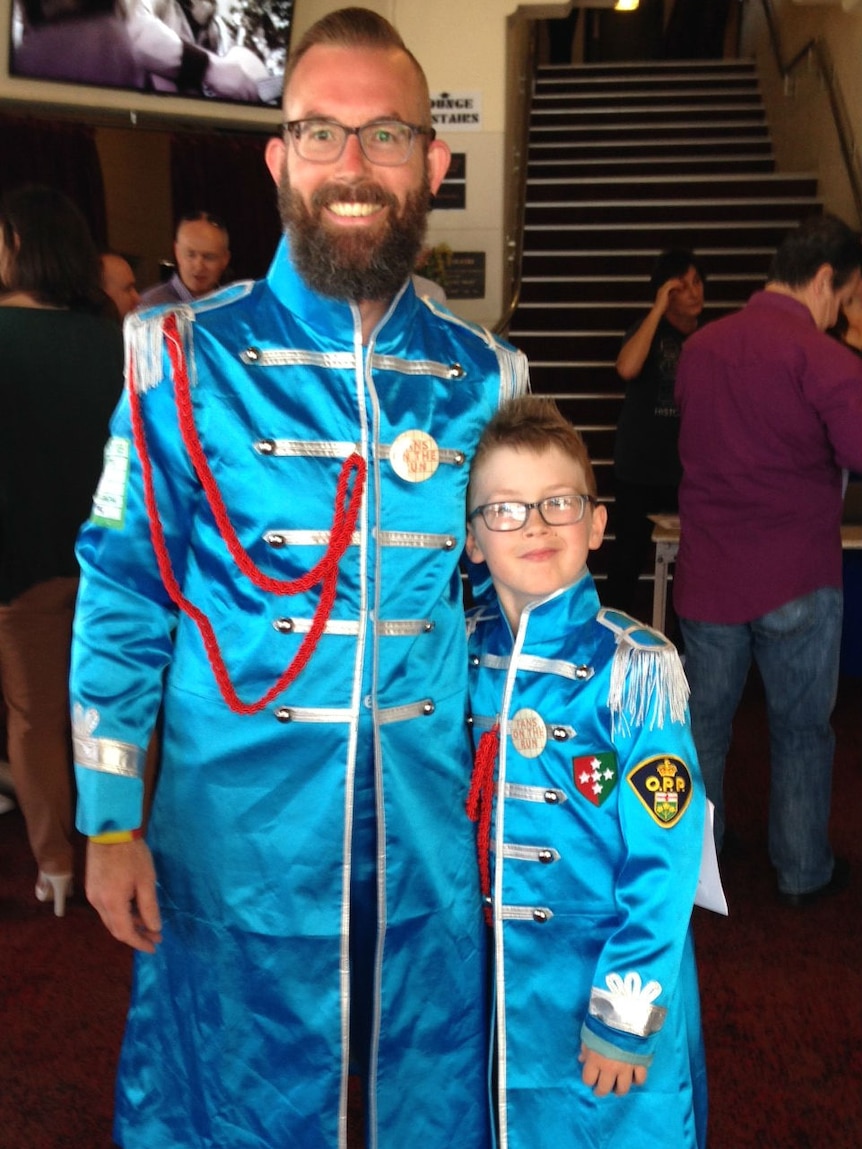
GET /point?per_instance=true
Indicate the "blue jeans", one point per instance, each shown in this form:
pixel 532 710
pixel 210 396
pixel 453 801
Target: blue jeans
pixel 796 648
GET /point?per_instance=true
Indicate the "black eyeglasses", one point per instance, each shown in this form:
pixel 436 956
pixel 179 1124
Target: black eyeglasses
pixel 556 511
pixel 385 142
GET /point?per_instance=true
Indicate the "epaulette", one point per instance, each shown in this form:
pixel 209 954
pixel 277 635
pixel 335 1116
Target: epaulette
pixel 647 677
pixel 513 364
pixel 144 332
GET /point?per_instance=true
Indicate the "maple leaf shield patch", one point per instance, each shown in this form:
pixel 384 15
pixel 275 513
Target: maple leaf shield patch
pixel 663 784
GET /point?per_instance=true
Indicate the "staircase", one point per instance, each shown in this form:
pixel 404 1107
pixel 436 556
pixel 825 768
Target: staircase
pixel 625 161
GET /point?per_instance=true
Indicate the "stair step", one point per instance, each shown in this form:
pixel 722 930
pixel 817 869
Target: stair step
pixel 653 71
pixel 735 186
pixel 655 133
pixel 551 166
pixel 595 315
pixel 650 147
pixel 628 291
pixel 567 348
pixel 664 233
pixel 621 103
pixel 567 115
pixel 726 260
pixel 640 213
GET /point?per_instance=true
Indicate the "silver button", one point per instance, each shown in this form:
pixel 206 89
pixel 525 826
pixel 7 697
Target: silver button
pixel 559 734
pixel 582 672
pixel 251 354
pixel 552 797
pixel 545 856
pixel 265 446
pixel 540 915
pixel 283 625
pixel 428 707
pixel 283 713
pixel 456 371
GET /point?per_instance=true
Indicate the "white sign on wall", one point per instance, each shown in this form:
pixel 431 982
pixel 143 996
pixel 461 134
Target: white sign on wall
pixel 456 111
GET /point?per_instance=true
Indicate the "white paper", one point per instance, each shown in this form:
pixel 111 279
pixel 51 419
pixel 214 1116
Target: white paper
pixel 710 893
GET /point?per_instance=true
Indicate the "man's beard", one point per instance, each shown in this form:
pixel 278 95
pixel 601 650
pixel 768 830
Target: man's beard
pixel 354 263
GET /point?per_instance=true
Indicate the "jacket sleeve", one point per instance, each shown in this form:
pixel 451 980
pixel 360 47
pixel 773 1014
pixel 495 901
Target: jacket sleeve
pixel 125 620
pixel 661 808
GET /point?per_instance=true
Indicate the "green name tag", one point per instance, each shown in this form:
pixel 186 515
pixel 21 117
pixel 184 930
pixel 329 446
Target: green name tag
pixel 109 502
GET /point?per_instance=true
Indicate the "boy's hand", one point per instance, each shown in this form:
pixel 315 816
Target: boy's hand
pixel 604 1075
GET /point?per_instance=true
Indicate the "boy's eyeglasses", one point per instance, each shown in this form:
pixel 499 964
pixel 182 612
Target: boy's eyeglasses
pixel 385 142
pixel 557 511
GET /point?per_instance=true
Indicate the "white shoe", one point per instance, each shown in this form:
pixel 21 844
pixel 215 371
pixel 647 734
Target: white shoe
pixel 57 885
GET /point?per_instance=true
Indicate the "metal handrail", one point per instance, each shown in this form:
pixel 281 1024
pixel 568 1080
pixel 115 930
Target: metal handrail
pixel 817 49
pixel 515 239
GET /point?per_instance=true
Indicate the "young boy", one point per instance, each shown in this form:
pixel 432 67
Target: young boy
pixel 590 809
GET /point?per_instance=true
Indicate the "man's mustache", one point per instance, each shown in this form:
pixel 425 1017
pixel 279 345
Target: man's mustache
pixel 365 192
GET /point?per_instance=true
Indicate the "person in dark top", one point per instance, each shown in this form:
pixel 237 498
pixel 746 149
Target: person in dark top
pixel 646 457
pixel 61 374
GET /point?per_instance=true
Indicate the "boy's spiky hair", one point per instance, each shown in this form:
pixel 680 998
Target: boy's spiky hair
pixel 535 423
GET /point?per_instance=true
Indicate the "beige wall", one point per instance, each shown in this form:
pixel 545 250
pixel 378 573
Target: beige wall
pixel 799 112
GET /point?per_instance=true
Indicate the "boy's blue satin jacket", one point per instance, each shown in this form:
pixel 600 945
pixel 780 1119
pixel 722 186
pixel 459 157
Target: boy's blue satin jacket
pixel 595 844
pixel 238 1031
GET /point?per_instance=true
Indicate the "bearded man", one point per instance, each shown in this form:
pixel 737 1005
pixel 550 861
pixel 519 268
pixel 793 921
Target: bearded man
pixel 271 566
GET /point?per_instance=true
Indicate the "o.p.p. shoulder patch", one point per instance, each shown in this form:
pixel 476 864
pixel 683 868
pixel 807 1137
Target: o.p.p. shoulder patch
pixel 663 784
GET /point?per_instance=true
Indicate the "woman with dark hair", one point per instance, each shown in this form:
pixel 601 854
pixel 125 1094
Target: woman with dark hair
pixel 646 456
pixel 61 371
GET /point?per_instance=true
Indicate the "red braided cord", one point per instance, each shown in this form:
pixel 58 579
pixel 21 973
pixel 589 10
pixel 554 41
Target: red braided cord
pixel 326 571
pixel 479 806
pixel 342 527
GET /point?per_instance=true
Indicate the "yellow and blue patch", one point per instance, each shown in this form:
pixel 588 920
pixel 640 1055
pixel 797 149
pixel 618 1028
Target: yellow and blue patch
pixel 663 784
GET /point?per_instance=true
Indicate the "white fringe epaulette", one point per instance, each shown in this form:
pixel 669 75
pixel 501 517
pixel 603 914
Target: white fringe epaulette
pixel 647 677
pixel 145 340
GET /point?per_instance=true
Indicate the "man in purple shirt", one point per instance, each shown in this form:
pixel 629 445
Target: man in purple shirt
pixel 771 410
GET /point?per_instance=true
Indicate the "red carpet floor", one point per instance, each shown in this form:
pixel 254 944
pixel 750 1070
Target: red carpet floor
pixel 781 988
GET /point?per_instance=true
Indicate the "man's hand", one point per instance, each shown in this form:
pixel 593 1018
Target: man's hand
pixel 604 1075
pixel 667 289
pixel 121 884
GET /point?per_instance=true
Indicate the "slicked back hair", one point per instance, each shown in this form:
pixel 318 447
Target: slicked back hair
pixel 355 28
pixel 533 423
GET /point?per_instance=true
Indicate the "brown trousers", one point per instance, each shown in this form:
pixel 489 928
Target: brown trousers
pixel 35 637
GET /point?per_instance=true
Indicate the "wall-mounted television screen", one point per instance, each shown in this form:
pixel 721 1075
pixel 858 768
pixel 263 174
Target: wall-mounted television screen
pixel 220 60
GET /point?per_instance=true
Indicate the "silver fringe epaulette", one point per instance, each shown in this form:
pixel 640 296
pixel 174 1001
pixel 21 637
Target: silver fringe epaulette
pixel 647 677
pixel 145 341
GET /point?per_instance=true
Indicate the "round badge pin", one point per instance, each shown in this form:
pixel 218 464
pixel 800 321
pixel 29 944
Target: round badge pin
pixel 529 733
pixel 414 456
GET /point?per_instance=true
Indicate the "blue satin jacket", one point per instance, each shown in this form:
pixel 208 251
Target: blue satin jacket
pixel 595 842
pixel 238 1029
